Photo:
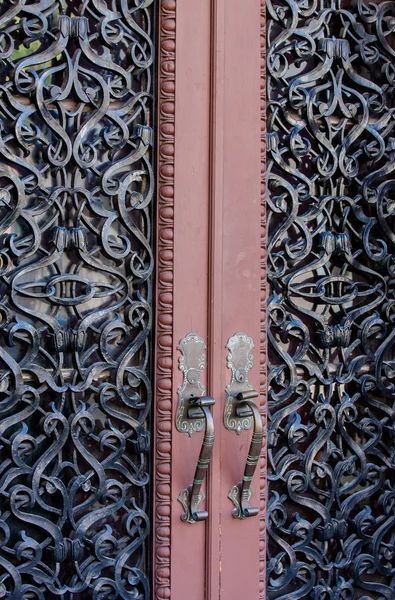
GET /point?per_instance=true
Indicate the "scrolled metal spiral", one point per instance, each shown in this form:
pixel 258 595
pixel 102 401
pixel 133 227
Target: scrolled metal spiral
pixel 76 260
pixel 331 199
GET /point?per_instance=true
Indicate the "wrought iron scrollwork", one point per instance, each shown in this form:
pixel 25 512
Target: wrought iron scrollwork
pixel 76 259
pixel 331 184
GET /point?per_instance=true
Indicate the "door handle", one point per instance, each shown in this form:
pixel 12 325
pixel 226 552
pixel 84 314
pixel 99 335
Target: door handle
pixel 242 413
pixel 193 415
pixel 241 493
pixel 191 496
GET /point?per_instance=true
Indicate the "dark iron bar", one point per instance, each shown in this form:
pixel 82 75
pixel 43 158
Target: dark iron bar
pixel 331 267
pixel 76 263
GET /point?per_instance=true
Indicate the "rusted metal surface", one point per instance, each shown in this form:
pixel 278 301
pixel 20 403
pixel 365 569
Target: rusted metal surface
pixel 331 268
pixel 76 264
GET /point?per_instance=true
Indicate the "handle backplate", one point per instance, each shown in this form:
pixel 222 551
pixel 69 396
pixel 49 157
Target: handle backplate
pixel 191 362
pixel 240 361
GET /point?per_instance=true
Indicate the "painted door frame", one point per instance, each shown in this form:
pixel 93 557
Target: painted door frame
pixel 211 280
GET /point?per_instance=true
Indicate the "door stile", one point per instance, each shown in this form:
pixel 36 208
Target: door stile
pixel 215 283
pixel 182 233
pixel 241 277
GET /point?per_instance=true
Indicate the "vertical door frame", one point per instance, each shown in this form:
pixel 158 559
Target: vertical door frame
pixel 166 367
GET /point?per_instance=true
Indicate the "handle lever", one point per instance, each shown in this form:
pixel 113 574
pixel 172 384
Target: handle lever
pixel 191 497
pixel 241 493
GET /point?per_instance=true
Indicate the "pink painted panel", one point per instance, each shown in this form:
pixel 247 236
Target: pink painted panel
pixel 241 274
pixel 190 267
pixel 210 281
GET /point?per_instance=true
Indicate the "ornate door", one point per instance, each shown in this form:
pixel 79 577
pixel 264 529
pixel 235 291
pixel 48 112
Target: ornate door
pixel 80 480
pixel 330 203
pixel 211 283
pixel 90 126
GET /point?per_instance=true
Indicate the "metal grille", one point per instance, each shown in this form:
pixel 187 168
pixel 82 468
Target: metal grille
pixel 331 182
pixel 76 188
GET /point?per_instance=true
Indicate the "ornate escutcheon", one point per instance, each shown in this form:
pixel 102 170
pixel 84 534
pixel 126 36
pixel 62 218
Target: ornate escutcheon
pixel 192 363
pixel 240 361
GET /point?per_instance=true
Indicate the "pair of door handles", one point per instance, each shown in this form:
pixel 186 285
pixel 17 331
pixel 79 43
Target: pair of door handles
pixel 241 412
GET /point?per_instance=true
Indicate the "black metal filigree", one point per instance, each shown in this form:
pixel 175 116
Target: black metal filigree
pixel 76 259
pixel 331 184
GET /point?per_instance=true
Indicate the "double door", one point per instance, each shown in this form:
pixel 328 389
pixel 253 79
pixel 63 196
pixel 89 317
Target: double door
pixel 211 130
pixel 130 216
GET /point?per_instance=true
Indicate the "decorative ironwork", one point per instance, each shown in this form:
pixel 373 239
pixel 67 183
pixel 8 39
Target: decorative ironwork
pixel 331 199
pixel 76 189
pixel 263 346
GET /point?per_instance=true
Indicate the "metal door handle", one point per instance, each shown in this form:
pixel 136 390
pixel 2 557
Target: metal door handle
pixel 191 497
pixel 241 493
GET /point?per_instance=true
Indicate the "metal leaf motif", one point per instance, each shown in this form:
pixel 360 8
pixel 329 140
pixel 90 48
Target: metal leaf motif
pixel 76 189
pixel 331 200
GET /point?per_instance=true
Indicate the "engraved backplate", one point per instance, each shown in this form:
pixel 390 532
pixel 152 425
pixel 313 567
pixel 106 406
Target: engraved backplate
pixel 240 361
pixel 185 498
pixel 234 497
pixel 191 363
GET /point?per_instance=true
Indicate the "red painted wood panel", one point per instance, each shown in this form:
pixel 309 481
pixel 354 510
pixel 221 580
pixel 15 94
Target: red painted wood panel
pixel 190 267
pixel 215 278
pixel 241 273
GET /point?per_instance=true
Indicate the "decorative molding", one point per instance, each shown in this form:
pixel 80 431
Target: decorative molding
pixel 164 320
pixel 263 348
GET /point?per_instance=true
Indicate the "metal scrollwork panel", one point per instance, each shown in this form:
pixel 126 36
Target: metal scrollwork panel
pixel 331 184
pixel 76 188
